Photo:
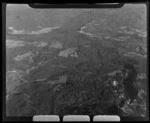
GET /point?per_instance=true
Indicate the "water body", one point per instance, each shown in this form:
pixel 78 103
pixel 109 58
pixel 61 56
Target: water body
pixel 130 91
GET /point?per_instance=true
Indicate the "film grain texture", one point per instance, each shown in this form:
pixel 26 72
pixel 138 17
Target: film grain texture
pixel 76 61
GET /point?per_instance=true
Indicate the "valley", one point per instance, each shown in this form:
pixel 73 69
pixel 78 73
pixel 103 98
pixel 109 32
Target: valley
pixel 72 61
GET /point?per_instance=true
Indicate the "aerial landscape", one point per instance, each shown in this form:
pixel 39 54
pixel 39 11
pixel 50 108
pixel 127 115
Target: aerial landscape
pixel 76 61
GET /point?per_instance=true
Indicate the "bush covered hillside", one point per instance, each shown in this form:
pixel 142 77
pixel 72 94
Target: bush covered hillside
pixel 76 61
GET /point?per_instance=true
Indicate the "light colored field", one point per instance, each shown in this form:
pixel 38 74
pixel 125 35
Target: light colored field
pixel 133 54
pixel 42 31
pixel 56 44
pixel 39 44
pixel 26 56
pixel 14 43
pixel 67 52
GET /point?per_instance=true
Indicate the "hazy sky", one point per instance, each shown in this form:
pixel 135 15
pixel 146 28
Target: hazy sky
pixel 28 6
pixel 17 5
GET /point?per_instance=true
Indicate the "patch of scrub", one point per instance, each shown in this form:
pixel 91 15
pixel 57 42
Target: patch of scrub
pixel 127 30
pixel 39 43
pixel 87 45
pixel 107 37
pixel 27 56
pixel 143 35
pixel 68 52
pixel 14 43
pixel 57 45
pixel 35 67
pixel 13 75
pixel 122 27
pixel 141 76
pixel 40 27
pixel 121 38
pixel 74 54
pixel 113 73
pixel 13 80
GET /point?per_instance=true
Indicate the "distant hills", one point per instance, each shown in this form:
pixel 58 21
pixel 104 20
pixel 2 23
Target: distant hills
pixel 23 17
